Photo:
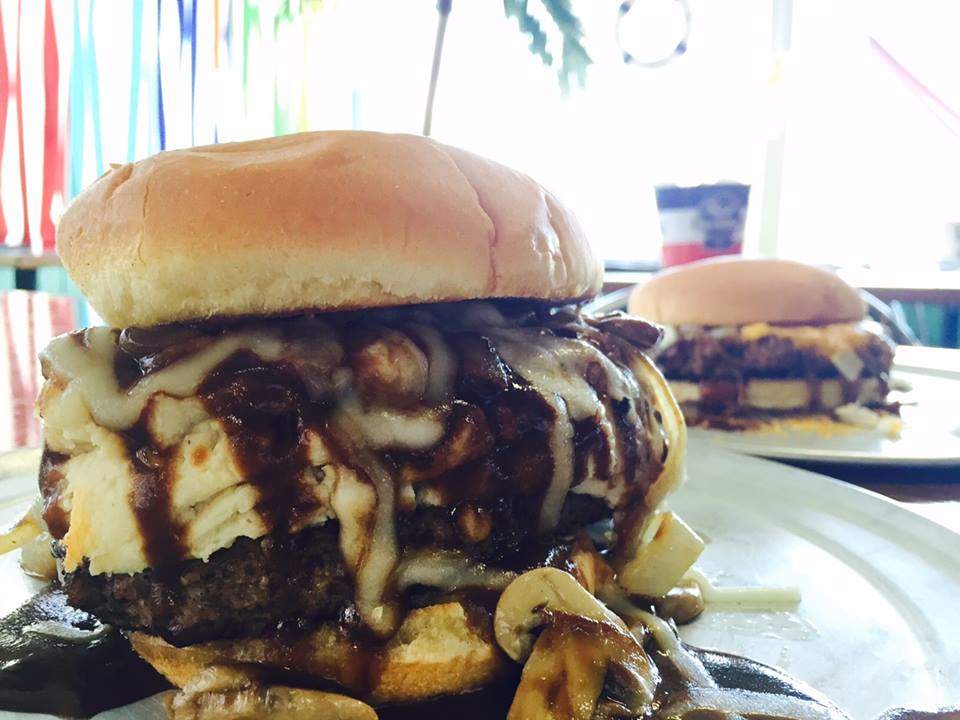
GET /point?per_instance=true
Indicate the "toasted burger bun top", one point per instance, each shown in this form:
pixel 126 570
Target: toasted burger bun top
pixel 737 291
pixel 317 221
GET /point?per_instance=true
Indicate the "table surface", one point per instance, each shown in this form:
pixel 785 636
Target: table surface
pixel 25 259
pixel 28 320
pixel 940 287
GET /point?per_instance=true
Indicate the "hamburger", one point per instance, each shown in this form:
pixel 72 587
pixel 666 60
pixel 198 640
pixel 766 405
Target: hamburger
pixel 750 340
pixel 348 428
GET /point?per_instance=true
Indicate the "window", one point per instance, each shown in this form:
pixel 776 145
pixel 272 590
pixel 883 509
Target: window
pixel 870 166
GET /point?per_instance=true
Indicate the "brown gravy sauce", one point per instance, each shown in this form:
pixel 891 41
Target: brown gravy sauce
pixel 160 533
pixel 266 412
pixel 44 671
pixel 63 674
pixel 56 518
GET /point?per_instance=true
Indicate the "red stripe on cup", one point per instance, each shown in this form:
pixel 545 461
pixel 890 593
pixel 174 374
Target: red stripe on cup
pixel 52 141
pixel 681 253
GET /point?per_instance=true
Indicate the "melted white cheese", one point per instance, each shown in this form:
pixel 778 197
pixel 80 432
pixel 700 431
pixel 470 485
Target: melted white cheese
pixel 690 668
pixel 561 446
pixel 62 632
pixel 556 368
pixel 441 363
pixel 88 370
pixel 377 557
pixel 828 339
pixel 754 597
pixel 703 694
pixel 384 427
pixel 449 571
pixel 557 365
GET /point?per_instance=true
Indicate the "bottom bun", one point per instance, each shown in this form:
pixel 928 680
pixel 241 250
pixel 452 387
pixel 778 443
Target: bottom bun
pixel 438 650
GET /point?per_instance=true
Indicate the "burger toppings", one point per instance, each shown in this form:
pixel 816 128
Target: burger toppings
pixel 189 439
pixel 721 371
pixel 764 351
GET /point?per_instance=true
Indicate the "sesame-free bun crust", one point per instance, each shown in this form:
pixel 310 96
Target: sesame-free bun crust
pixel 737 292
pixel 436 651
pixel 317 221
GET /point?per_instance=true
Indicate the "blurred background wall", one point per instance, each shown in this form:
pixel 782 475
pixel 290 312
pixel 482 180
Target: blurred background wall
pixel 839 113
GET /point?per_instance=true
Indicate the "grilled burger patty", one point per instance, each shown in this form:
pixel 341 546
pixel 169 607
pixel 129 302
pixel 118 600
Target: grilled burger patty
pixel 708 355
pixel 725 374
pixel 298 580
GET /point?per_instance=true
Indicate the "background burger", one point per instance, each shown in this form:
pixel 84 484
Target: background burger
pixel 346 415
pixel 747 340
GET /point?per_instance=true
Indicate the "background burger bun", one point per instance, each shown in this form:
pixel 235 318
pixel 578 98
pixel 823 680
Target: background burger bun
pixel 317 221
pixel 737 291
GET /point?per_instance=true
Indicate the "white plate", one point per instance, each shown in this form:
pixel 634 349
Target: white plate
pixel 930 436
pixel 878 625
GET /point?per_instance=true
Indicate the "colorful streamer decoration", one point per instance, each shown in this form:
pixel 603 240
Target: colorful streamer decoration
pixel 20 143
pixel 251 22
pixel 77 114
pixel 93 85
pixel 948 116
pixel 52 141
pixel 72 149
pixel 4 103
pixel 188 36
pixel 161 124
pixel 84 100
pixel 135 60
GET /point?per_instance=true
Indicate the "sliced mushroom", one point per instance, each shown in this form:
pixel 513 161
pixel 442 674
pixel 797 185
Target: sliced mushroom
pixel 474 523
pixel 220 693
pixel 525 603
pixel 683 604
pixel 468 437
pixel 389 367
pixel 577 665
pixel 588 567
pixel 636 331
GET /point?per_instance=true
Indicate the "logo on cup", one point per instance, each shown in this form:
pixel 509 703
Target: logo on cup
pixel 722 216
pixel 702 221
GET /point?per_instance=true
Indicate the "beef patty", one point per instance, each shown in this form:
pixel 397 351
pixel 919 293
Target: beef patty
pixel 279 581
pixel 705 356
